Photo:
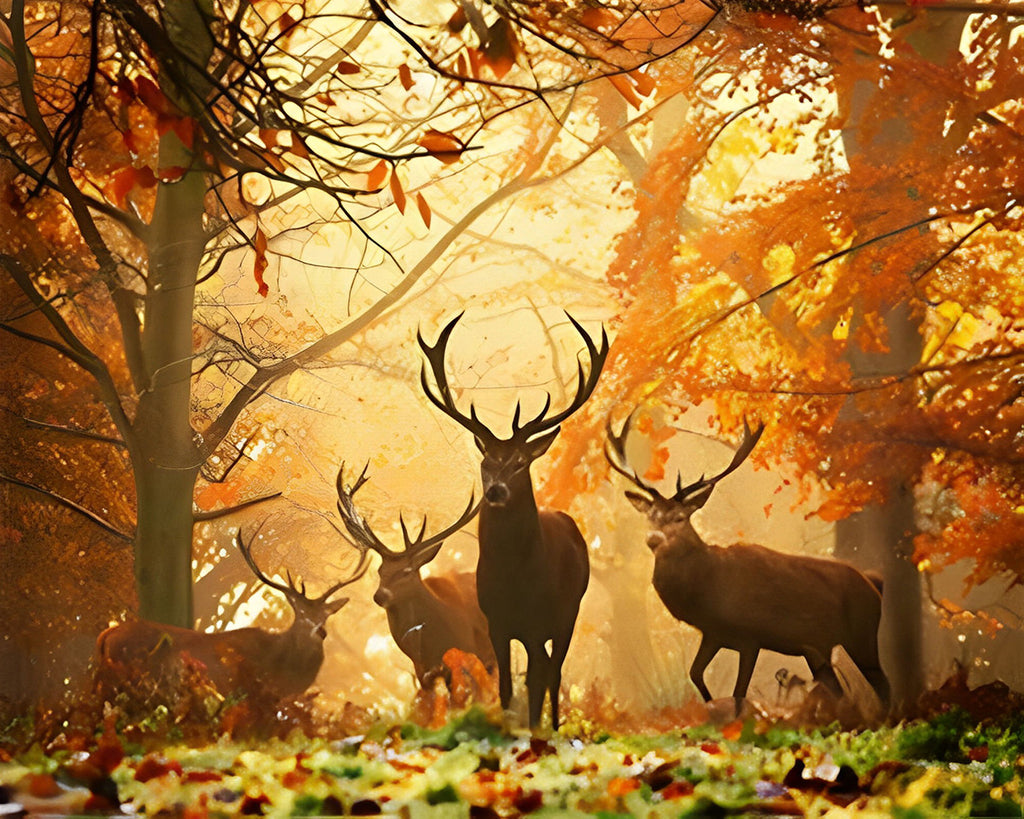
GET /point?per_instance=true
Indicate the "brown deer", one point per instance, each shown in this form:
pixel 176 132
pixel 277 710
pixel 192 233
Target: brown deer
pixel 746 597
pixel 533 566
pixel 426 616
pixel 247 662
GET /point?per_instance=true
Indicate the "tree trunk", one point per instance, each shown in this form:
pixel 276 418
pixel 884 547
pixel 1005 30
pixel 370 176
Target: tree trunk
pixel 166 457
pixel 881 537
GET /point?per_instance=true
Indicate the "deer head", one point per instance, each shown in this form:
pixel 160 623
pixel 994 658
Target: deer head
pixel 672 512
pixel 311 613
pixel 399 570
pixel 507 460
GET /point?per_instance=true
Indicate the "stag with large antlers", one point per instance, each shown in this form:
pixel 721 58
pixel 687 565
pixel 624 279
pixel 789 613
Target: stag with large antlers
pixel 747 597
pixel 426 616
pixel 248 661
pixel 533 566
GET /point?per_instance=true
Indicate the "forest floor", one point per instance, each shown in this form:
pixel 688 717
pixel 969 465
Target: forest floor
pixel 954 763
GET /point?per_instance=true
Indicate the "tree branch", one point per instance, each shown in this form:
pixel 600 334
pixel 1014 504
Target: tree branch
pixel 70 504
pixel 78 433
pixel 230 510
pixel 73 347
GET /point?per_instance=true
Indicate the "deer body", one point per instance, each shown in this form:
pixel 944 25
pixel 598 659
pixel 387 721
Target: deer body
pixel 533 566
pixel 426 616
pixel 247 661
pixel 531 575
pixel 747 597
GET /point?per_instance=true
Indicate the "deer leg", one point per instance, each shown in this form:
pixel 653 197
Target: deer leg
pixel 503 655
pixel 705 654
pixel 877 679
pixel 748 659
pixel 538 673
pixel 558 652
pixel 821 668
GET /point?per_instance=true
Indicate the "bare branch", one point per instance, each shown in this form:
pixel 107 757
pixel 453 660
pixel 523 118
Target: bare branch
pixel 69 504
pixel 230 510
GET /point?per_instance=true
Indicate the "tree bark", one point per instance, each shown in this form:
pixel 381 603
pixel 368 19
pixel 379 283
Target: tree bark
pixel 166 457
pixel 881 537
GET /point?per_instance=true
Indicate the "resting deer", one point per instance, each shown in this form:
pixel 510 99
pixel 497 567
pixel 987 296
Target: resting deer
pixel 533 566
pixel 247 661
pixel 747 597
pixel 427 617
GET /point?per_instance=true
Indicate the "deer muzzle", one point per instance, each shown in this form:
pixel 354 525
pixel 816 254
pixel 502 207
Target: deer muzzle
pixel 655 539
pixel 497 494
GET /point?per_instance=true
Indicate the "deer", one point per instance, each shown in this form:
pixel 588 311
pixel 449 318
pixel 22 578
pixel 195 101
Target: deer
pixel 533 566
pixel 246 662
pixel 426 616
pixel 747 597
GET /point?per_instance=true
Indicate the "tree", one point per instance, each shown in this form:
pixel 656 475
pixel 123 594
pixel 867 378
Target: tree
pixel 154 146
pixel 828 243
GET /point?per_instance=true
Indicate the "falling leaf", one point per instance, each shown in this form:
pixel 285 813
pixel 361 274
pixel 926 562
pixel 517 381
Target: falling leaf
pixel 268 136
pixel 501 48
pixel 625 88
pixel 457 21
pixel 259 243
pixel 405 76
pixel 424 209
pixel 298 147
pixel 441 146
pixel 171 174
pixel 598 18
pixel 375 177
pixel 397 193
pixel 345 67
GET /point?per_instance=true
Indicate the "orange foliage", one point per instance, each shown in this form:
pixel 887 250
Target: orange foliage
pixel 977 514
pixel 812 305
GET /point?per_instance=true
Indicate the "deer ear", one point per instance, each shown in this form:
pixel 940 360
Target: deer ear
pixel 336 605
pixel 640 503
pixel 698 499
pixel 538 446
pixel 424 557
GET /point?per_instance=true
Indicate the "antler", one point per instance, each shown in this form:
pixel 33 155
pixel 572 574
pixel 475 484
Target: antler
pixel 419 544
pixel 357 527
pixel 295 590
pixel 367 539
pixel 585 384
pixel 747 444
pixel 442 399
pixel 615 454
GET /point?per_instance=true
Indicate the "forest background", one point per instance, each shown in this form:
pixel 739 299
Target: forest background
pixel 224 224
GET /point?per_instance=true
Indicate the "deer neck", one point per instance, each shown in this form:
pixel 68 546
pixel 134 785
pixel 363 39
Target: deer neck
pixel 409 607
pixel 300 651
pixel 681 542
pixel 514 526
